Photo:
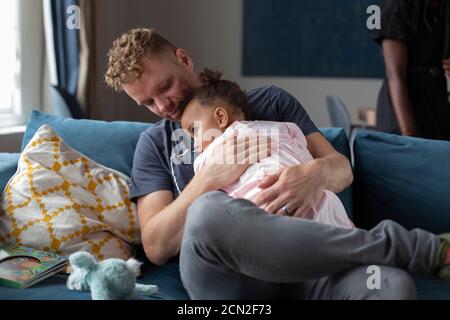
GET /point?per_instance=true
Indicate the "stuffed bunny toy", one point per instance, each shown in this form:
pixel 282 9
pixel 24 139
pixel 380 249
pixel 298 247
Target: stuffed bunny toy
pixel 110 279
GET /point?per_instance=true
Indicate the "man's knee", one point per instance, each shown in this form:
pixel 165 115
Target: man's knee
pixel 206 203
pixel 204 215
pixel 397 284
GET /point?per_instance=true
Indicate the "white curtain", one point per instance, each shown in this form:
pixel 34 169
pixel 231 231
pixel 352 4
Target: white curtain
pixel 31 51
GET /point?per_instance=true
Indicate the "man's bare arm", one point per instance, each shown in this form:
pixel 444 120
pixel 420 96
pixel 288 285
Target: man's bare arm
pixel 162 221
pixel 336 169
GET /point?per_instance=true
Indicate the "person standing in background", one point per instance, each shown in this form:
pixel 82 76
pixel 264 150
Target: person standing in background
pixel 415 41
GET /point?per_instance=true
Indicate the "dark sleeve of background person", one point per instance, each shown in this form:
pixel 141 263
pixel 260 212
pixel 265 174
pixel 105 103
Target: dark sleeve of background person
pixel 397 22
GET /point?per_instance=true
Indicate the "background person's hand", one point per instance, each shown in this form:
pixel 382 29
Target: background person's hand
pixel 298 188
pixel 408 127
pixel 230 159
pixel 446 66
pixel 409 132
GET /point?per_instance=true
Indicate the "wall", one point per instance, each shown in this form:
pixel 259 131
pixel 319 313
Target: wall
pixel 11 139
pixel 211 31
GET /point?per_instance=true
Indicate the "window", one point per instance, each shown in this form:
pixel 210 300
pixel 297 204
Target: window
pixel 9 61
pixel 22 53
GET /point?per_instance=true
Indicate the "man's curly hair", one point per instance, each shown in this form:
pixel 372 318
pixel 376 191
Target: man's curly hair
pixel 125 57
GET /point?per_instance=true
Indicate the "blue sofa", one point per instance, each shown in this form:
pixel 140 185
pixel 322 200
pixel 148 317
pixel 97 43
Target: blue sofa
pixel 398 178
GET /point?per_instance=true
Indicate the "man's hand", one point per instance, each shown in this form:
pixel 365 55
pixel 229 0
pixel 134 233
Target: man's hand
pixel 298 188
pixel 446 66
pixel 230 159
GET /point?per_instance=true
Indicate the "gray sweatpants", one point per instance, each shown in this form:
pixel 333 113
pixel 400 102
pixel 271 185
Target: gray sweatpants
pixel 231 249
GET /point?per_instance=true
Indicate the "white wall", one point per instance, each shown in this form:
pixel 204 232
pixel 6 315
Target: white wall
pixel 211 31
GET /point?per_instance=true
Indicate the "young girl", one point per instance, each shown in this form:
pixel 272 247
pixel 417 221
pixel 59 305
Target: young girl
pixel 217 111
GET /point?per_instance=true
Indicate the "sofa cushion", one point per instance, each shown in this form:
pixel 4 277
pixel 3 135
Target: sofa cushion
pixel 111 144
pixel 8 166
pixel 403 179
pixel 63 202
pixel 429 288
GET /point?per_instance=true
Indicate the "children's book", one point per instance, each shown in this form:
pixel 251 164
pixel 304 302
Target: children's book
pixel 22 267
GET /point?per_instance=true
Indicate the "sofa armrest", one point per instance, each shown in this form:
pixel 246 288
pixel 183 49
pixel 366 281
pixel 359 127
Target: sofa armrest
pixel 8 167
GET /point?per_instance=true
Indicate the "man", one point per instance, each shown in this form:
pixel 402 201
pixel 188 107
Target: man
pixel 229 248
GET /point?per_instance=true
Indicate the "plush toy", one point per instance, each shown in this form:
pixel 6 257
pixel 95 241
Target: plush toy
pixel 110 279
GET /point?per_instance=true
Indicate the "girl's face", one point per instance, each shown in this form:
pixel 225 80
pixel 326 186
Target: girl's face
pixel 204 124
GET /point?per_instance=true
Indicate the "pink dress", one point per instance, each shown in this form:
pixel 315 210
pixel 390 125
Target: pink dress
pixel 291 150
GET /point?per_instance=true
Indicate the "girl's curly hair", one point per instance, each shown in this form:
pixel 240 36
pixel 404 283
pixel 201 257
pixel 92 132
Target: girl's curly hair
pixel 213 88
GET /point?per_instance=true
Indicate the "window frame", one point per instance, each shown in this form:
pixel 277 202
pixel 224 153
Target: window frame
pixel 31 64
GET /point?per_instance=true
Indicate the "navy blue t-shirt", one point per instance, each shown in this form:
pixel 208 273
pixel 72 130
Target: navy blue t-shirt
pixel 164 159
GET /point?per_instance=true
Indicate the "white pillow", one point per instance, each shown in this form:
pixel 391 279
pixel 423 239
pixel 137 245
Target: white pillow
pixel 61 201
